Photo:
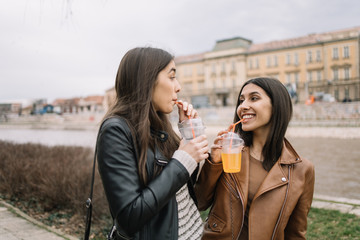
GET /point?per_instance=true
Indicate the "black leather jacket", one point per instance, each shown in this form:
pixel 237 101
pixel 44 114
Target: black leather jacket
pixel 139 212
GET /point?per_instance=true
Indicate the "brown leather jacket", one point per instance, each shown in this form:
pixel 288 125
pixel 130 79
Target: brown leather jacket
pixel 279 209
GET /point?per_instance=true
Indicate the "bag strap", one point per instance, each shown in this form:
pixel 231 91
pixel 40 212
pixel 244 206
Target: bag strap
pixel 88 202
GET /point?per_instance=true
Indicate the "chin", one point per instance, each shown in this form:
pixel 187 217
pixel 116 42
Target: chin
pixel 167 110
pixel 246 128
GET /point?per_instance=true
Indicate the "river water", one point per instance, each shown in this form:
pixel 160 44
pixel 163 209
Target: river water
pixel 336 160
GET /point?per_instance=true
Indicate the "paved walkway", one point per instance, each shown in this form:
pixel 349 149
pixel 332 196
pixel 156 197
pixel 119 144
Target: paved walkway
pixel 16 225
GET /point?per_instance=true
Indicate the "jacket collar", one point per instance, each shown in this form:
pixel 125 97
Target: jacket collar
pixel 161 135
pixel 289 155
pixel 276 176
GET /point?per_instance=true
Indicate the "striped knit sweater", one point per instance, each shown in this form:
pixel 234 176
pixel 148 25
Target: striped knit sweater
pixel 190 222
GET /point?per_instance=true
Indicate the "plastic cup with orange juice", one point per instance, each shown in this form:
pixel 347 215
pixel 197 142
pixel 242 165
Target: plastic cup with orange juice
pixel 232 145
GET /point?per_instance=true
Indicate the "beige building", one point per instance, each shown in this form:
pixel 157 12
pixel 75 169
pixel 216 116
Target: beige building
pixel 324 65
pixel 214 78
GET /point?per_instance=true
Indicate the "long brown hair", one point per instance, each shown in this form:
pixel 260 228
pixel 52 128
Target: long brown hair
pixel 135 81
pixel 280 118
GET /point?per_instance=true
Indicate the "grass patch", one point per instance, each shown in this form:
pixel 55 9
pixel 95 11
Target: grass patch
pixel 332 224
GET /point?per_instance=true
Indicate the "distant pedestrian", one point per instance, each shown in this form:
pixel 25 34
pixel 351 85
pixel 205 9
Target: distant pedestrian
pixel 271 196
pixel 147 172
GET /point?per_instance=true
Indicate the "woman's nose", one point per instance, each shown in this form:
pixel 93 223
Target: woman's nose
pixel 243 106
pixel 177 86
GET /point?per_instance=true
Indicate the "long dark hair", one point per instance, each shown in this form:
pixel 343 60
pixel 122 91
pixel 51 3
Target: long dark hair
pixel 135 81
pixel 280 118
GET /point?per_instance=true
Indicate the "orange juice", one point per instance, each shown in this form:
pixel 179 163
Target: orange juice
pixel 231 162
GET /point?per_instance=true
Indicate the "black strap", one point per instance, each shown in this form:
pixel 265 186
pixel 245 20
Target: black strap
pixel 89 200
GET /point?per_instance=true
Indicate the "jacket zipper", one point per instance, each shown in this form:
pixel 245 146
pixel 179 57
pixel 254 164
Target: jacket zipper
pixel 234 191
pixel 242 203
pixel 283 206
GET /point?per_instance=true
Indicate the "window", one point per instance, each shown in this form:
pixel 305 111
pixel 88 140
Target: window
pixel 336 94
pixel 188 71
pixel 201 84
pixel 288 78
pixel 335 53
pixel 213 69
pixel 233 66
pixel 309 76
pixel 309 56
pixel 288 59
pixel 275 61
pixel 296 76
pixel 250 64
pixel 296 59
pixel 223 67
pixel 347 93
pixel 188 87
pixel 268 61
pixel 346 52
pixel 318 74
pixel 257 62
pixel 346 73
pixel 200 70
pixel 214 84
pixel 335 74
pixel 318 56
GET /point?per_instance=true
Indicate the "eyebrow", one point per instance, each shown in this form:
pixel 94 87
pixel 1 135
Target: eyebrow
pixel 252 93
pixel 172 70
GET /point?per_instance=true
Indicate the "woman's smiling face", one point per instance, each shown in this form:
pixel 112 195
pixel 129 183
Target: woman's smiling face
pixel 255 107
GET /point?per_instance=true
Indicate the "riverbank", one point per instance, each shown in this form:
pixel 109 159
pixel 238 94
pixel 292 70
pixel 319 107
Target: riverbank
pixel 321 129
pixel 324 146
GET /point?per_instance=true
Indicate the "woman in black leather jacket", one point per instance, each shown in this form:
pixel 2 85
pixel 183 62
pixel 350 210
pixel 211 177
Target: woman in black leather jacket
pixel 147 172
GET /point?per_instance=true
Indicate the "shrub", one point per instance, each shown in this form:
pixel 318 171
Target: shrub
pixel 54 181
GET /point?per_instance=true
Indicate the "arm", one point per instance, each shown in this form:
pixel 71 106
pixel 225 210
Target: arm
pixel 206 185
pixel 132 204
pixel 209 175
pixel 297 224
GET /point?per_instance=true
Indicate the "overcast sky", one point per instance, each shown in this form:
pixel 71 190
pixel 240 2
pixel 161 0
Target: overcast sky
pixel 72 48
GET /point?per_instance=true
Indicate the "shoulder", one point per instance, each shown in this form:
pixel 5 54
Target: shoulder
pixel 115 126
pixel 301 164
pixel 307 165
pixel 114 122
pixel 304 170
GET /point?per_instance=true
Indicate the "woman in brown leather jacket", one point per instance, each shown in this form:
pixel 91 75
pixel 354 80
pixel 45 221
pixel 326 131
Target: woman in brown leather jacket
pixel 271 197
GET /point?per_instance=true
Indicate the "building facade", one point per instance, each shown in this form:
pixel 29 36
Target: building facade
pixel 324 65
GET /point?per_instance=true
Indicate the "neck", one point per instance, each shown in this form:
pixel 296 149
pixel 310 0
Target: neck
pixel 257 146
pixel 256 153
